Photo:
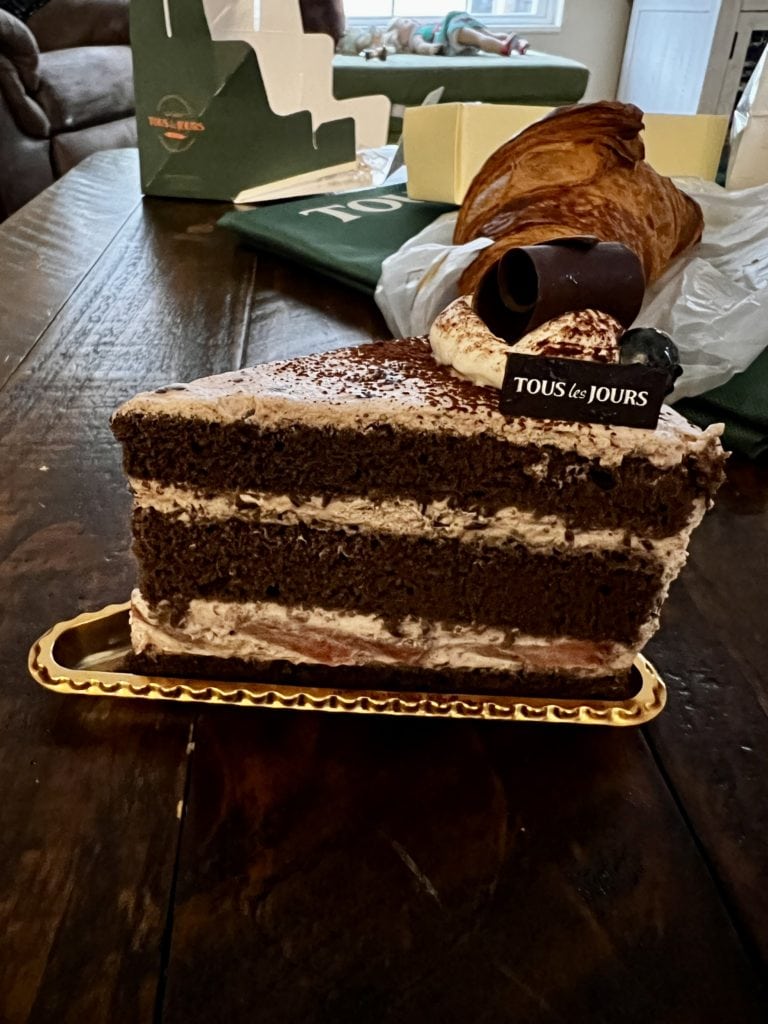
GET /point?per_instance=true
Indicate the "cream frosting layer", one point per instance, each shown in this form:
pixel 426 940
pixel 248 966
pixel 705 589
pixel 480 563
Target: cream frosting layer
pixel 267 631
pixel 399 384
pixel 402 515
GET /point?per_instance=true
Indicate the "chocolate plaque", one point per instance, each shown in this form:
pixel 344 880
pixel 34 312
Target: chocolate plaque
pixel 583 392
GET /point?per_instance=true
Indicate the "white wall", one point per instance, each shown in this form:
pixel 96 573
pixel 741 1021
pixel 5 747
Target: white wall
pixel 593 32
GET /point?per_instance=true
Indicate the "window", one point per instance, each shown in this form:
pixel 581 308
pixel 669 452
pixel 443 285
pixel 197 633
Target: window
pixel 525 14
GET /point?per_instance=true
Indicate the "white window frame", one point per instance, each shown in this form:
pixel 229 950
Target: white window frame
pixel 549 18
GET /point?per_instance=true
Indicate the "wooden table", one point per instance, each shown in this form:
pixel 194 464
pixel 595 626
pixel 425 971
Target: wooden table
pixel 165 863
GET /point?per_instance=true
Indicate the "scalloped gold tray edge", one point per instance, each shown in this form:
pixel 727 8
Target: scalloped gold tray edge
pixel 89 630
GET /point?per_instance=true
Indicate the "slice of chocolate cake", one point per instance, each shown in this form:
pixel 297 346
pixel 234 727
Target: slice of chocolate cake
pixel 369 518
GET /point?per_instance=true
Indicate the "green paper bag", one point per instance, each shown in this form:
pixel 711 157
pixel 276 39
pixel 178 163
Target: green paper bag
pixel 206 124
pixel 741 404
pixel 345 236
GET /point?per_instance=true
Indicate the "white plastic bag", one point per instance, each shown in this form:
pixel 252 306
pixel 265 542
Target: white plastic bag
pixel 419 280
pixel 714 303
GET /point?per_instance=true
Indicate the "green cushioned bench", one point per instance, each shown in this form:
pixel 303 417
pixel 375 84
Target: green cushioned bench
pixel 537 78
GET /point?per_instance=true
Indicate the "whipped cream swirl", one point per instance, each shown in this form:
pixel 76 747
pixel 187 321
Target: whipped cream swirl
pixel 460 339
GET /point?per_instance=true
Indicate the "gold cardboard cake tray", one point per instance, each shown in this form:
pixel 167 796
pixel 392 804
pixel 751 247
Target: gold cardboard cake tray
pixel 84 655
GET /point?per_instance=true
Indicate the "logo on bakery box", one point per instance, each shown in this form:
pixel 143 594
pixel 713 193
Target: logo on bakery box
pixel 628 395
pixel 176 123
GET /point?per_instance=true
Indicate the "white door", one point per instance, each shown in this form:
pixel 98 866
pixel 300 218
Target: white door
pixel 666 54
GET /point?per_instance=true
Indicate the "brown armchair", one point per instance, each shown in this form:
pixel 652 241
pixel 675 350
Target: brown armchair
pixel 66 91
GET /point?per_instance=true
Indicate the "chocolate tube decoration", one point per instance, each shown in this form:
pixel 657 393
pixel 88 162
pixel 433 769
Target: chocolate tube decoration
pixel 535 283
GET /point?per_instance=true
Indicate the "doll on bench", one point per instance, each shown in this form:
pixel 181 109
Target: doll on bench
pixel 457 34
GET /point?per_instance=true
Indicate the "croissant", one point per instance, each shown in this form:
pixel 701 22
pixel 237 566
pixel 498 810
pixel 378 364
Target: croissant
pixel 579 171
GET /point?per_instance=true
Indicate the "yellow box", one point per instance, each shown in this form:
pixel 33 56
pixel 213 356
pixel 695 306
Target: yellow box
pixel 446 145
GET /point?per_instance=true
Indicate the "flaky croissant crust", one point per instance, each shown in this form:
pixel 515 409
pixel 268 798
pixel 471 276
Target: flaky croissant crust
pixel 579 171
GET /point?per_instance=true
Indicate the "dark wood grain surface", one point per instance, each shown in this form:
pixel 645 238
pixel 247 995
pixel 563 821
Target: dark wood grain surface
pixel 165 864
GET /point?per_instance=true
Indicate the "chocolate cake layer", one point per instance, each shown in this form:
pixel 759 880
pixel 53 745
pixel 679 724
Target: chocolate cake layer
pixel 387 677
pixel 582 593
pixel 476 472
